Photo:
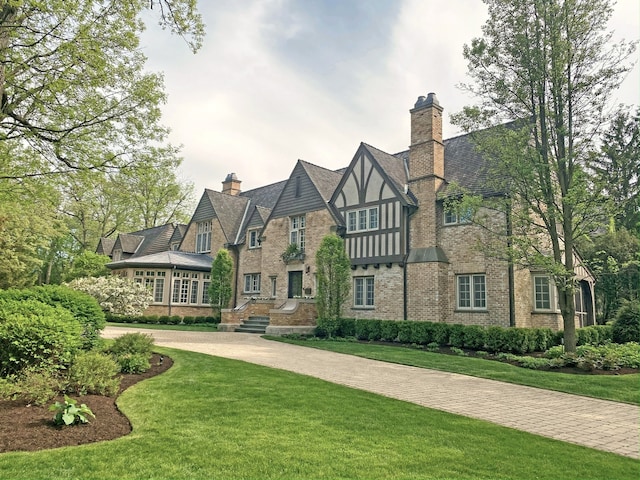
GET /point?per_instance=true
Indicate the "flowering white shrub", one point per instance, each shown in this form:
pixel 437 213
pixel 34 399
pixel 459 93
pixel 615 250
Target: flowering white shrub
pixel 117 295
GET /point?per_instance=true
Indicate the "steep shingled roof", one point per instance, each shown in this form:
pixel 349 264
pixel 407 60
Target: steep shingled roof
pixel 325 180
pixel 229 209
pixel 395 168
pixel 464 165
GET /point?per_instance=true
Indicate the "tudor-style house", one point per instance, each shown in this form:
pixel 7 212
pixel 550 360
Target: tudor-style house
pixel 411 259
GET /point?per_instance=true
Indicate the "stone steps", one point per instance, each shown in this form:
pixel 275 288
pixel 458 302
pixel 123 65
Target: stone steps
pixel 254 325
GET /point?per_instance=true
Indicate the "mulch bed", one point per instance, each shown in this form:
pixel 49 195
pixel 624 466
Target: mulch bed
pixel 26 427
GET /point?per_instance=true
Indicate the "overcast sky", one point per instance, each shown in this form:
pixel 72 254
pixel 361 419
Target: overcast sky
pixel 281 80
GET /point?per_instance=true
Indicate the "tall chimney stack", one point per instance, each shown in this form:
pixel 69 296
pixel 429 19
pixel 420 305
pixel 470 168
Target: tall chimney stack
pixel 426 152
pixel 231 184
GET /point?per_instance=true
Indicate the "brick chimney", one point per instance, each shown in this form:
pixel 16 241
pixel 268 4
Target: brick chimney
pixel 426 168
pixel 426 152
pixel 231 184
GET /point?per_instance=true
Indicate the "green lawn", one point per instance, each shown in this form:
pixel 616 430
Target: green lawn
pixel 209 417
pixel 620 388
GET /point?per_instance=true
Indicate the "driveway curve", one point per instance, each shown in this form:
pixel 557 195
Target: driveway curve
pixel 599 424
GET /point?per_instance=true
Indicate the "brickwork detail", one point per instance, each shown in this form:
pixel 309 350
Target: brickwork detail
pixel 388 288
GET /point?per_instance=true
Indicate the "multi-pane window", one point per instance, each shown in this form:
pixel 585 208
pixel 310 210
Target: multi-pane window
pixel 543 292
pixel 362 220
pixel 253 239
pixel 186 288
pixel 153 281
pixel 363 292
pixel 297 231
pixel 452 218
pixel 203 237
pixel 472 292
pixel 252 283
pixel 205 292
pixel 158 291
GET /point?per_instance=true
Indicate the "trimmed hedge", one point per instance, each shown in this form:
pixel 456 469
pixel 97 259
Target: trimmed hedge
pixel 475 337
pixel 163 319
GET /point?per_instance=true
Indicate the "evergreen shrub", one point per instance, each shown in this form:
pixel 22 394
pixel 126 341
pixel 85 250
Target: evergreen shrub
pixel 626 327
pixel 36 336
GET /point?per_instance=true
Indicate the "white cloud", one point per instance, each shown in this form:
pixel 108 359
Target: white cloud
pixel 240 106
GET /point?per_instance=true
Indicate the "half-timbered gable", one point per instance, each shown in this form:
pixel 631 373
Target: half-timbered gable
pixel 373 207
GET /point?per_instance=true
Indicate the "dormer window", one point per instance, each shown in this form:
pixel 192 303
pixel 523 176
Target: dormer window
pixel 253 239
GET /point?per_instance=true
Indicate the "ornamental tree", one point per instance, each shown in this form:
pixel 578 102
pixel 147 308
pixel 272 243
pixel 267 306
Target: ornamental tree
pixel 334 277
pixel 115 294
pixel 221 286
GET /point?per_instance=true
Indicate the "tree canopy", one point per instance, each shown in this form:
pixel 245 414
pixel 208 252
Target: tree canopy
pixel 82 151
pixel 548 67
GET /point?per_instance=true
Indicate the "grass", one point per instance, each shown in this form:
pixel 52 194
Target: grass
pixel 199 327
pixel 619 388
pixel 209 417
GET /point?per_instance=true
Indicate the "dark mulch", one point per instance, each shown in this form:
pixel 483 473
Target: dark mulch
pixel 29 427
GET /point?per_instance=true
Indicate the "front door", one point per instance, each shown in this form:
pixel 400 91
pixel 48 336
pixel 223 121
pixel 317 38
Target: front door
pixel 295 284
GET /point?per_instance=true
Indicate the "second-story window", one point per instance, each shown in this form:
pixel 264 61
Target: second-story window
pixel 253 239
pixel 203 237
pixel 362 220
pixel 297 231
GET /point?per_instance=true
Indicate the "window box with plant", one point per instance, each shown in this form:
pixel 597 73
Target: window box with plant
pixel 293 252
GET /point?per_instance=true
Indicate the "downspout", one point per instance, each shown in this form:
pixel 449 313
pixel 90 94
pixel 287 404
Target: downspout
pixel 407 243
pixel 511 274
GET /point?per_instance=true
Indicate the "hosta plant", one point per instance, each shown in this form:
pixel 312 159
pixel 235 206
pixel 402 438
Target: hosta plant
pixel 69 413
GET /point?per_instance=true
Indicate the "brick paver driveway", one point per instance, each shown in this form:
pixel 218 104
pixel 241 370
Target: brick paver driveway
pixel 600 424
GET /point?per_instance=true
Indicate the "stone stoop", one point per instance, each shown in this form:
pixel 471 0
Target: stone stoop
pixel 253 324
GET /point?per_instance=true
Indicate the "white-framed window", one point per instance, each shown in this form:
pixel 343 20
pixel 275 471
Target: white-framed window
pixel 252 283
pixel 363 292
pixel 471 292
pixel 362 220
pixel 117 255
pixel 203 237
pixel 205 292
pixel 453 218
pixel 253 239
pixel 273 286
pixel 138 273
pixel 297 231
pixel 186 288
pixel 544 293
pixel 158 291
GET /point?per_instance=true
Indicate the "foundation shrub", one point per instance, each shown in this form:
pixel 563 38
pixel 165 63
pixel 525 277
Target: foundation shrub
pixel 188 320
pixel 164 319
pixel 543 339
pixel 441 333
pixel 368 329
pixel 474 337
pixel 93 373
pixel 175 320
pixel 389 331
pixel 347 327
pixel 421 333
pixel 404 331
pixel 496 340
pixel 36 336
pixel 457 333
